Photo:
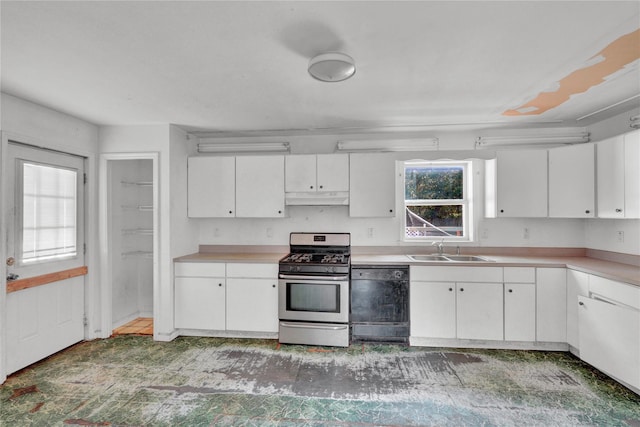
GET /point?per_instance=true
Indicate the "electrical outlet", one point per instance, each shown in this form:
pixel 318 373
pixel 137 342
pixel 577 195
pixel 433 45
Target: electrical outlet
pixel 620 236
pixel 525 233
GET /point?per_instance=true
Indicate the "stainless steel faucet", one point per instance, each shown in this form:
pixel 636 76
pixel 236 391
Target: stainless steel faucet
pixel 440 246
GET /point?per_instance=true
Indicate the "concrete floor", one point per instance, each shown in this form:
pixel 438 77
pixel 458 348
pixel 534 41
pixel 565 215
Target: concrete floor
pixel 131 380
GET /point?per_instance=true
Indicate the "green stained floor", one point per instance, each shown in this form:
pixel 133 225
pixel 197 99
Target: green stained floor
pixel 134 381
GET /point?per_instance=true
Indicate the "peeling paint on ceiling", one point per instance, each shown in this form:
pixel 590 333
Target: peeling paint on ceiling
pixel 613 58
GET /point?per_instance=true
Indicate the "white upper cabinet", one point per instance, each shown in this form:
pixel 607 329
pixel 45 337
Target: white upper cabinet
pixel 333 172
pixel 610 173
pixel 618 178
pixel 632 174
pixel 322 172
pixel 260 186
pixel 372 185
pixel 572 181
pixel 516 184
pixel 211 190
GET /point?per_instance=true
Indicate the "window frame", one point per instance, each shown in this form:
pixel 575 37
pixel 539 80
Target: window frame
pixel 466 202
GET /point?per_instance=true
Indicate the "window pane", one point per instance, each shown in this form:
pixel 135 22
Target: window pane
pixel 434 221
pixel 433 182
pixel 48 212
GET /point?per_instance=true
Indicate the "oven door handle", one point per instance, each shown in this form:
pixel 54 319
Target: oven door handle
pixel 312 326
pixel 319 278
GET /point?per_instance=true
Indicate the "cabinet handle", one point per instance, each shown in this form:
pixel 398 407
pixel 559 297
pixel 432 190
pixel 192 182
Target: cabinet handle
pixel 230 212
pixel 461 289
pixel 273 286
pixel 219 284
pixel 391 210
pixel 587 211
pixel 450 289
pixel 501 210
pixel 510 290
pixel 322 186
pixel 279 212
pixel 580 303
pixel 311 187
pixel 618 210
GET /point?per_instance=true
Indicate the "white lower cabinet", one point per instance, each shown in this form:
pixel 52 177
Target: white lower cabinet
pixel 551 305
pixel 520 312
pixel 456 303
pixel 252 302
pixel 609 329
pixel 520 304
pixel 240 297
pixel 433 309
pixel 200 296
pixel 577 285
pixel 479 313
pixel 610 338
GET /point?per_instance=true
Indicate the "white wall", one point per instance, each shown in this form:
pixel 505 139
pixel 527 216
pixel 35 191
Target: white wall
pixel 34 124
pixel 172 178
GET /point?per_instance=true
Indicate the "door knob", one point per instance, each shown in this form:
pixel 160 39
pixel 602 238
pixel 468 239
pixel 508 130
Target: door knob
pixel 10 261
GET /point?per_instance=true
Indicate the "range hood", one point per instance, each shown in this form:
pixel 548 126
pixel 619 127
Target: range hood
pixel 317 198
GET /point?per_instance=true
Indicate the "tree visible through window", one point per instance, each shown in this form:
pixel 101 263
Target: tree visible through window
pixel 436 201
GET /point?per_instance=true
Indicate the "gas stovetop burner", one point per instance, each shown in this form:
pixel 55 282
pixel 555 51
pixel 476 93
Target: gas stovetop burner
pixel 315 253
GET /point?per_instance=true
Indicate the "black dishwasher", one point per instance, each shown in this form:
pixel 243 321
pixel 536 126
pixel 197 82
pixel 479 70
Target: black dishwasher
pixel 380 304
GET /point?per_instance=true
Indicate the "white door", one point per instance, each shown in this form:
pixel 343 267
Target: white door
pixel 45 250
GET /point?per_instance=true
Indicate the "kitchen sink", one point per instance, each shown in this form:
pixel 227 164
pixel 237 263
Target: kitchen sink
pixel 450 258
pixel 467 258
pixel 428 258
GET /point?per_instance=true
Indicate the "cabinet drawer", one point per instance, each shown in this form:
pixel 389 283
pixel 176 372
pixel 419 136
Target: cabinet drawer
pixel 456 274
pixel 519 275
pixel 268 271
pixel 199 269
pixel 625 294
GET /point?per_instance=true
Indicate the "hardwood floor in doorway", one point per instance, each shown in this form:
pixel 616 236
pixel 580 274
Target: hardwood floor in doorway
pixel 139 326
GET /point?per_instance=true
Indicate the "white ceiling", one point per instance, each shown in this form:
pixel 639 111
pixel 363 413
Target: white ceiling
pixel 240 66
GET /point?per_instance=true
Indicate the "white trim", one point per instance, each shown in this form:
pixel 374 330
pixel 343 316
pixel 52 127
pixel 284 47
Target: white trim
pixel 106 320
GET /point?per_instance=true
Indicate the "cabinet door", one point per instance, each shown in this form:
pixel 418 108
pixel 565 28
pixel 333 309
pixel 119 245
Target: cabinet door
pixel 479 311
pixel 333 172
pixel 521 183
pixel 372 184
pixel 632 174
pixel 610 175
pixel 610 339
pixel 300 173
pixel 577 285
pixel 260 186
pixel 520 312
pixel 252 305
pixel 200 303
pixel 551 307
pixel 572 181
pixel 211 190
pixel 433 309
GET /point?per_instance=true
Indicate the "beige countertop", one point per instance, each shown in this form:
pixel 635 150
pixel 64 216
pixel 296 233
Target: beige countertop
pixel 611 270
pixel 607 269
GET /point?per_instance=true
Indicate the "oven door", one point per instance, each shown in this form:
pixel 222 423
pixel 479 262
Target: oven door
pixel 310 299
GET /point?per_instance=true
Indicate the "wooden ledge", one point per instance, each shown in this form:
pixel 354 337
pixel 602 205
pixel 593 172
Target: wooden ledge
pixel 32 282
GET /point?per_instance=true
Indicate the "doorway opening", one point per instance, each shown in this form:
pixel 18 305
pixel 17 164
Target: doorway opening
pixel 130 232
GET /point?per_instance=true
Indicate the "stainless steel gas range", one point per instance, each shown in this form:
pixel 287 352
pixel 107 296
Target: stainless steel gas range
pixel 313 290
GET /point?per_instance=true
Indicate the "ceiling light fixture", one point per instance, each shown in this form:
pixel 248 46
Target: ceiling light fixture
pixel 386 145
pixel 508 141
pixel 242 147
pixel 332 67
